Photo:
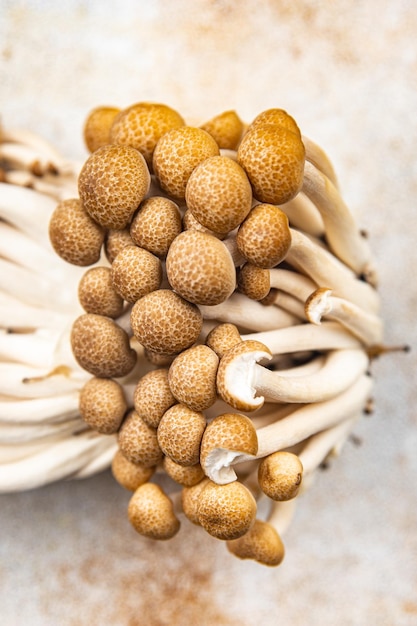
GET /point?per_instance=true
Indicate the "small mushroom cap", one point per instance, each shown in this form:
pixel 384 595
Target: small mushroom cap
pixel 151 513
pixel 112 183
pixel 142 125
pixel 264 238
pixel 135 273
pixel 254 282
pixel 280 475
pixel 192 377
pixel 101 347
pixel 179 434
pixel 318 304
pixel 186 476
pixel 97 127
pixel 190 497
pixel 103 404
pixel 223 337
pixel 226 511
pixel 228 431
pixel 97 294
pixel 165 323
pixel 273 158
pixel 200 268
pixel 74 235
pixel 129 475
pixel 115 241
pixel 219 194
pixel 235 375
pixel 153 396
pixel 138 441
pixel 226 129
pixel 277 117
pixel 176 155
pixel 261 543
pixel 156 224
pixel 189 222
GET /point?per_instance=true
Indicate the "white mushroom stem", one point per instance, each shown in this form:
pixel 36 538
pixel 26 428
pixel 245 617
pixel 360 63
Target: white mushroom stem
pixel 368 327
pixel 53 462
pixel 291 430
pixel 28 210
pixel 296 284
pixel 21 156
pixel 99 463
pixel 342 233
pixel 281 515
pixel 59 188
pixel 36 349
pixel 21 381
pixel 52 409
pixel 302 214
pixel 306 337
pixel 289 303
pixel 326 270
pixel 15 315
pixel 23 433
pixel 317 156
pixel 242 311
pixel 252 384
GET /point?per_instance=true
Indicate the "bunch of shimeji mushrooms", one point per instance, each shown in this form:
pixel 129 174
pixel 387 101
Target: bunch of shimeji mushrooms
pixel 222 335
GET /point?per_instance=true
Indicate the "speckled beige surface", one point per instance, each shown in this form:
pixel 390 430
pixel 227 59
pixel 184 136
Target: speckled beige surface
pixel 347 72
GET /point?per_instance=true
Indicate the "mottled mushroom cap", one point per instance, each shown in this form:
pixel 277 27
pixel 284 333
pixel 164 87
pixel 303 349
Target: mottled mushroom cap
pixel 112 183
pixel 264 238
pixel 142 125
pixel 277 117
pixel 226 511
pixel 179 434
pixel 103 404
pixel 261 543
pixel 177 154
pixel 200 268
pixel 138 441
pixel 153 396
pixel 135 272
pixel 192 377
pixel 101 347
pixel 165 323
pixel 151 513
pixel 156 224
pixel 219 194
pixel 280 475
pixel 254 282
pixel 273 158
pixel 226 129
pixel 97 294
pixel 189 500
pixel 129 475
pixel 222 338
pixel 97 126
pixel 74 235
pixel 186 476
pixel 115 241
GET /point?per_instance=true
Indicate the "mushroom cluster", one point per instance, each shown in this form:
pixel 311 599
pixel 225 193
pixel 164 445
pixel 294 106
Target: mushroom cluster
pixel 223 331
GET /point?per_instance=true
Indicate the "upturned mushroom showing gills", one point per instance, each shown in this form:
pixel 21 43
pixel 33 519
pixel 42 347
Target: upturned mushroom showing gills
pixel 194 306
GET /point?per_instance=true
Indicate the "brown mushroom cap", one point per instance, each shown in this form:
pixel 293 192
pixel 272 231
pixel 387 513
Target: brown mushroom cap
pixel 176 155
pixel 101 347
pixel 186 476
pixel 129 475
pixel 103 404
pixel 230 431
pixel 165 323
pixel 264 238
pixel 112 183
pixel 200 268
pixel 226 129
pixel 192 377
pixel 219 194
pixel 151 513
pixel 226 511
pixel 273 158
pixel 280 475
pixel 97 127
pixel 179 434
pixel 142 125
pixel 189 500
pixel 74 236
pixel 189 222
pixel 135 273
pixel 222 338
pixel 261 543
pixel 153 396
pixel 97 294
pixel 138 441
pixel 277 117
pixel 115 241
pixel 156 224
pixel 253 281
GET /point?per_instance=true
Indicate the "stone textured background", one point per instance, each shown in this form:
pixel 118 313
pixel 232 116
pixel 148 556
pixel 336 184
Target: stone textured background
pixel 347 72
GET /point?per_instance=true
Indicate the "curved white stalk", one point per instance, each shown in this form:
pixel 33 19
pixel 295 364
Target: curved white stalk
pixel 33 349
pixel 302 214
pixel 20 381
pixel 289 303
pixel 342 233
pixel 15 315
pixel 296 284
pixel 38 144
pixel 242 311
pixel 327 271
pixel 99 463
pixel 318 157
pixel 48 409
pixel 23 433
pixel 22 156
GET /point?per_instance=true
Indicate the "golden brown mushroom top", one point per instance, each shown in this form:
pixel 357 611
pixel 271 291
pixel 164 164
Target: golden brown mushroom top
pixel 226 129
pixel 97 126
